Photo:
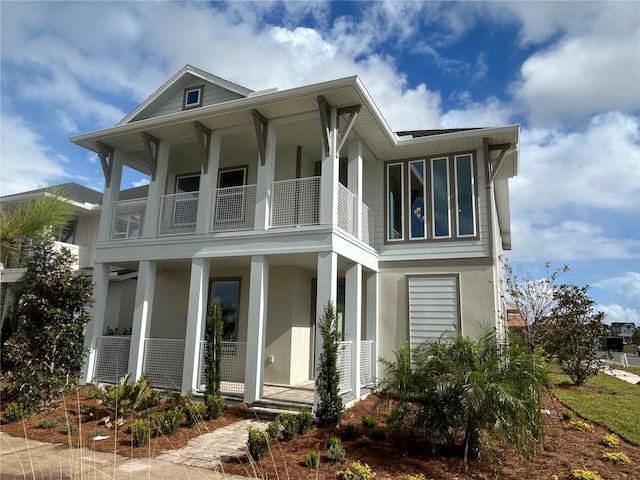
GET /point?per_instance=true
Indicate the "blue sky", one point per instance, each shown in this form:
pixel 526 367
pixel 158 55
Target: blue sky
pixel 567 72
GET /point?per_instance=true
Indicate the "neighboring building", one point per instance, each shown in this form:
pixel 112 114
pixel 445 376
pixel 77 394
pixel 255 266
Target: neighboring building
pixel 515 322
pixel 278 202
pixel 623 329
pixel 79 235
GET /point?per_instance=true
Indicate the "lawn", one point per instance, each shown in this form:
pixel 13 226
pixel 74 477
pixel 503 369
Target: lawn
pixel 606 400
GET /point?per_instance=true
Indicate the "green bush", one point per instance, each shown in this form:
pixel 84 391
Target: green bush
pixel 195 413
pixel 69 429
pixel 617 458
pixel 48 423
pixel 330 406
pixel 356 471
pixel 289 422
pixel 169 422
pixel 368 421
pixel 124 398
pixel 305 420
pixel 140 432
pixel 312 460
pixel 363 442
pixel 567 414
pixel 379 434
pixel 350 430
pixel 273 430
pixel 333 440
pixel 215 405
pixel 337 453
pixel 99 432
pixel 257 443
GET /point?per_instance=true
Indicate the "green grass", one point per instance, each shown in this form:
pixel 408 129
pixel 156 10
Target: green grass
pixel 606 400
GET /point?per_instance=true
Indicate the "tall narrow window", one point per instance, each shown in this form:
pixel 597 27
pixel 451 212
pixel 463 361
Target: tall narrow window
pixel 416 187
pixel 440 187
pixel 464 196
pixel 395 200
pixel 228 292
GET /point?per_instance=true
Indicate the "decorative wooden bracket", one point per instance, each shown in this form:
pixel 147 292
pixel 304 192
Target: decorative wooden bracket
pixel 325 123
pixel 151 147
pixel 203 140
pixel 105 152
pixel 352 111
pixel 260 123
pixel 494 165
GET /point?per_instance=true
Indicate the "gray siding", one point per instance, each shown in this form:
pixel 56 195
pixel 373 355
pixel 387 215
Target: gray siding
pixel 433 307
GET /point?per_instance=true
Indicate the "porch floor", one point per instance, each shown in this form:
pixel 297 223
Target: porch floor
pixel 300 393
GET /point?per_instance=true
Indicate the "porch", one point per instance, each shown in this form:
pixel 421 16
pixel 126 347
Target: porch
pixel 163 364
pixel 294 203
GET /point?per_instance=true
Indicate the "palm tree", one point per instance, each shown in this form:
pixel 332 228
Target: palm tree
pixel 34 219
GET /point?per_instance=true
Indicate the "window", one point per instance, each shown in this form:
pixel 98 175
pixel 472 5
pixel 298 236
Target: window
pixel 230 197
pixel 68 232
pixel 232 177
pixel 435 199
pixel 228 292
pixel 186 200
pixel 192 97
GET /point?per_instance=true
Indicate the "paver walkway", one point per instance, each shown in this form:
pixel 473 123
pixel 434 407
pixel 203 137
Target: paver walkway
pixel 209 449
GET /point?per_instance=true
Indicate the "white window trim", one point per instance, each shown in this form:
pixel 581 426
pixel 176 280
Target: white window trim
pixel 402 200
pixel 425 230
pixel 473 195
pixel 433 203
pixel 187 91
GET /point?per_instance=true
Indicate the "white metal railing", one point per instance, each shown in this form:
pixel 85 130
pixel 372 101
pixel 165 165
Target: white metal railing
pixel 128 219
pixel 344 367
pixel 295 202
pixel 233 367
pixel 233 208
pixel 178 213
pixel 163 362
pixel 366 363
pixel 112 358
pixel 346 207
pixel 367 225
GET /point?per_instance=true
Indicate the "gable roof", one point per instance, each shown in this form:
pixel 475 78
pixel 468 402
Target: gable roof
pixel 72 191
pixel 175 84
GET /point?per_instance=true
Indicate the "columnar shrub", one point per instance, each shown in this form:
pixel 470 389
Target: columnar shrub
pixel 330 407
pixel 140 432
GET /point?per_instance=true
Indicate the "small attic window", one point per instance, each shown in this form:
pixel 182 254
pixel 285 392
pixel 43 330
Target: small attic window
pixel 192 97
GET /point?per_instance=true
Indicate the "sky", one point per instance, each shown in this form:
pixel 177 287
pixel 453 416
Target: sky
pixel 567 72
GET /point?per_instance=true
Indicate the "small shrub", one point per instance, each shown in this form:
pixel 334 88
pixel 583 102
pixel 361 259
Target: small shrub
pixel 585 475
pixel 567 415
pixel 611 441
pixel 13 413
pixel 140 432
pixel 124 398
pixel 337 453
pixel 356 471
pixel 48 423
pixel 305 420
pixel 368 421
pixel 349 430
pixel 69 429
pixel 215 405
pixel 379 434
pixel 169 422
pixel 273 430
pixel 616 457
pixel 195 413
pixel 415 477
pixel 333 440
pixel 289 423
pixel 98 432
pixel 312 460
pixel 257 443
pixel 580 426
pixel 363 442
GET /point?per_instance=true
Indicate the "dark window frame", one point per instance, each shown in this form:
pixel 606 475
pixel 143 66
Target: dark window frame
pixel 185 96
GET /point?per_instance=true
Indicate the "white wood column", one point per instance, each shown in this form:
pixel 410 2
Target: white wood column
pixel 109 198
pixel 353 317
pixel 266 176
pixel 330 176
pixel 208 182
pixel 258 291
pixel 142 316
pixel 196 322
pixel 354 179
pixel 95 327
pixel 372 319
pixel 156 191
pixel 327 288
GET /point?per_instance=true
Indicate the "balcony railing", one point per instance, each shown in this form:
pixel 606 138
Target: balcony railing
pixel 367 225
pixel 295 202
pixel 128 219
pixel 178 213
pixel 346 201
pixel 233 209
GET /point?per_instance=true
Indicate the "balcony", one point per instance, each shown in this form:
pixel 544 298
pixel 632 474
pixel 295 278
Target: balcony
pixel 294 203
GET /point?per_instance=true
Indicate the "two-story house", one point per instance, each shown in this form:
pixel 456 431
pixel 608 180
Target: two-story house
pixel 623 329
pixel 278 202
pixel 78 236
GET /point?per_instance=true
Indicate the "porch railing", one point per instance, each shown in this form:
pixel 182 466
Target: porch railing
pixel 233 208
pixel 344 367
pixel 295 202
pixel 346 201
pixel 112 358
pixel 128 219
pixel 163 362
pixel 178 213
pixel 367 225
pixel 366 363
pixel 233 367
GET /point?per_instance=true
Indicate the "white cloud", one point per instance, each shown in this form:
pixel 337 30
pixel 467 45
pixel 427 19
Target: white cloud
pixel 616 313
pixel 627 286
pixel 489 113
pixel 26 162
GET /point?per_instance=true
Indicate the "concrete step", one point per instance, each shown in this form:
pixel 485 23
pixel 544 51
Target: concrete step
pixel 267 409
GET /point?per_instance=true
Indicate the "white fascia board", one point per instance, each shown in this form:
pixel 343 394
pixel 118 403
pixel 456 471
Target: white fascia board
pixel 512 130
